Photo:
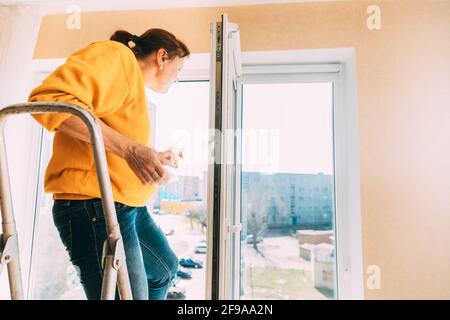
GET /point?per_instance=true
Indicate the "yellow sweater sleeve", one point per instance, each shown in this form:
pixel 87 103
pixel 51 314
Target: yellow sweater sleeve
pixel 92 78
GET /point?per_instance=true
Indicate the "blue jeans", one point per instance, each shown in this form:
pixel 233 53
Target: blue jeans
pixel 152 265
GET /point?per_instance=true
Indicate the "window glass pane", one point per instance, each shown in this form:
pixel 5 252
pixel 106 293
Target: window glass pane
pixel 182 117
pixel 54 276
pixel 287 208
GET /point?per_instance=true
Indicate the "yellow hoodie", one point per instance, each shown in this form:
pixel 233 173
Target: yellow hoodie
pixel 105 78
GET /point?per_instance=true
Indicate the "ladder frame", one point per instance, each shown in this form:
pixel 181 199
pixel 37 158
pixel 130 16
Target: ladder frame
pixel 115 273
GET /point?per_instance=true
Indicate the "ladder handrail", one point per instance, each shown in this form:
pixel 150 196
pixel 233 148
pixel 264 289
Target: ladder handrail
pixel 114 254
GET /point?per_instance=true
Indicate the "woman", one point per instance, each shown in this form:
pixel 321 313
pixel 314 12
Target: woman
pixel 108 78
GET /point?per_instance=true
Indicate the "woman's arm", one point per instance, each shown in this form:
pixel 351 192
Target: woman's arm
pixel 144 161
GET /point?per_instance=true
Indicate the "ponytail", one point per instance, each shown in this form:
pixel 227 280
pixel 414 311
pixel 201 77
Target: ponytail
pixel 150 41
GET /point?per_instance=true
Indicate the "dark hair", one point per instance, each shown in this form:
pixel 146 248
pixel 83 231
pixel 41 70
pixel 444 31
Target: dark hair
pixel 152 40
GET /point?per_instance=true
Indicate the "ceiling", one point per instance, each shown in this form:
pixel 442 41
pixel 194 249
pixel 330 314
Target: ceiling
pixel 113 5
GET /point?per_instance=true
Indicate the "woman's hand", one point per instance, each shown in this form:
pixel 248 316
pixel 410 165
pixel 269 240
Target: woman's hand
pixel 146 164
pixel 168 158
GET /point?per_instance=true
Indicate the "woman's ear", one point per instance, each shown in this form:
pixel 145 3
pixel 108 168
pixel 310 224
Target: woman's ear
pixel 161 57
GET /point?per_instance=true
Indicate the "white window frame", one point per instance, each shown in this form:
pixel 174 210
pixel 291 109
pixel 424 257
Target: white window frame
pixel 337 66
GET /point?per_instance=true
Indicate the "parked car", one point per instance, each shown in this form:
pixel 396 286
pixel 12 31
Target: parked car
pixel 250 239
pixel 191 263
pixel 184 273
pixel 176 293
pixel 200 248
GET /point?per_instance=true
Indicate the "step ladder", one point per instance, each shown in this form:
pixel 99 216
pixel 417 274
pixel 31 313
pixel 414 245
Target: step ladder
pixel 115 272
